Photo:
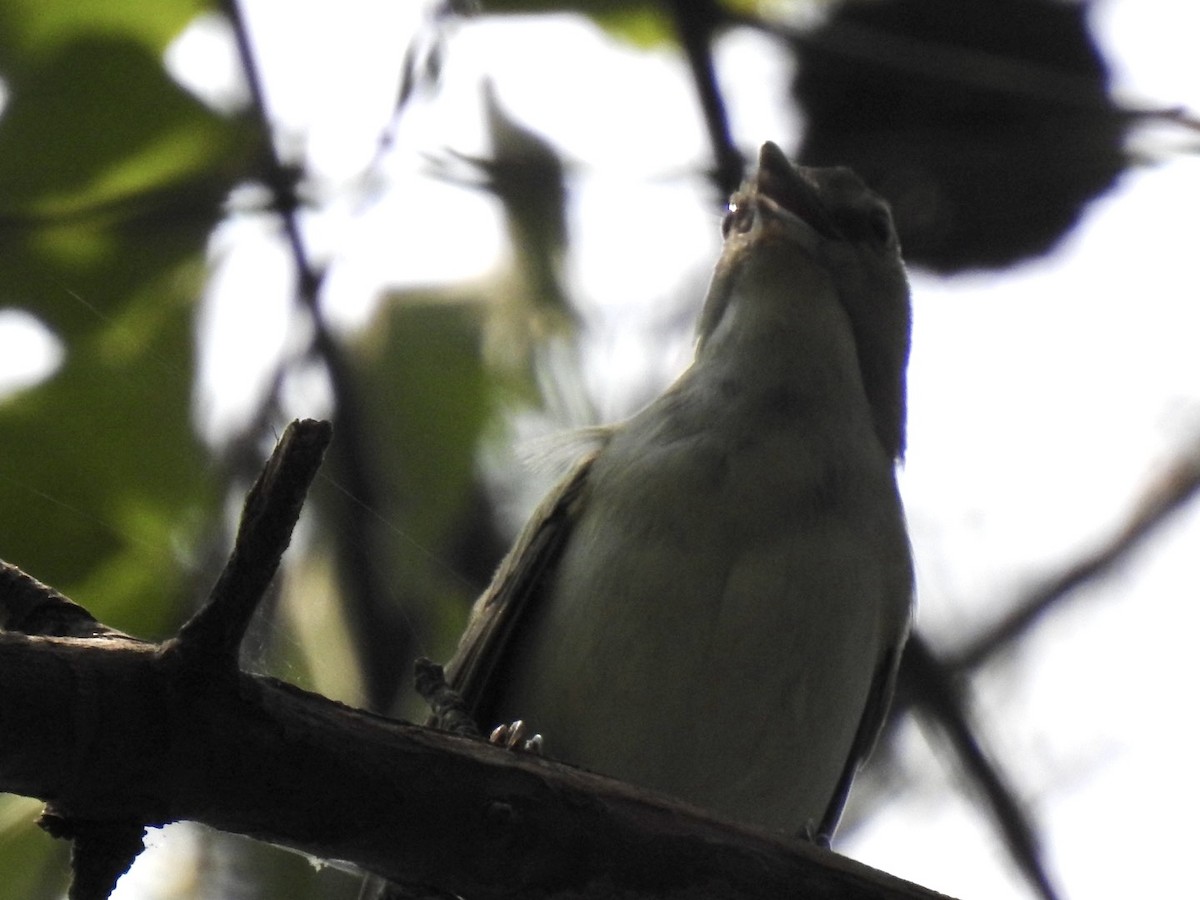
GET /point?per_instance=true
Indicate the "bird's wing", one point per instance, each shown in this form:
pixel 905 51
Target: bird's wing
pixel 879 699
pixel 515 587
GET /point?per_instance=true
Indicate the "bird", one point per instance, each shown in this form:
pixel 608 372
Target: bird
pixel 713 602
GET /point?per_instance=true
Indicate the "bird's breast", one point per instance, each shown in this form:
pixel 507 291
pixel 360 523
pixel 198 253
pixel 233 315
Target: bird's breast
pixel 718 613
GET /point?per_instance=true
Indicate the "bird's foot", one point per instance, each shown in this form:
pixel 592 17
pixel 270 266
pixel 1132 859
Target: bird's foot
pixel 516 736
pixel 447 705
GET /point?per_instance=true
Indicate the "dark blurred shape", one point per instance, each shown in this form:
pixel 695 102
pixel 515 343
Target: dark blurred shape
pixel 527 175
pixel 987 124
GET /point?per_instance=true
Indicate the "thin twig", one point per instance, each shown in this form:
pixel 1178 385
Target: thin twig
pixel 695 22
pixel 932 689
pixel 272 508
pixel 1178 484
pixel 281 179
pixel 384 640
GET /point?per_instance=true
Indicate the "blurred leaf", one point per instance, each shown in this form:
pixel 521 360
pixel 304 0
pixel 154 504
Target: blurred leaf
pixel 34 864
pixel 987 125
pixel 111 179
pixel 766 8
pixel 422 372
pixel 29 28
pixel 641 23
pixel 526 173
pixel 400 497
pixel 97 121
pixel 317 652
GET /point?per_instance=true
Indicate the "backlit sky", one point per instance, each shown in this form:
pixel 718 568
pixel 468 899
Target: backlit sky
pixel 1041 400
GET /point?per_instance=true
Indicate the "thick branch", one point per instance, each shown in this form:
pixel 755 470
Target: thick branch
pixel 113 730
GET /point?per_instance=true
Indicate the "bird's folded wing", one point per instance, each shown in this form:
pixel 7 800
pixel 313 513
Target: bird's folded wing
pixel 515 587
pixel 879 700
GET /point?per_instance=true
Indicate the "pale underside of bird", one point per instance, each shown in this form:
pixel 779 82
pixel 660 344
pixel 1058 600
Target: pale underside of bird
pixel 712 604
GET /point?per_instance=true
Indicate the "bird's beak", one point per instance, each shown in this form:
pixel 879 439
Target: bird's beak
pixel 782 190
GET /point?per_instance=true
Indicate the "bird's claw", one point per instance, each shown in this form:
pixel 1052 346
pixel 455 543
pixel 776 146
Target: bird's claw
pixel 515 736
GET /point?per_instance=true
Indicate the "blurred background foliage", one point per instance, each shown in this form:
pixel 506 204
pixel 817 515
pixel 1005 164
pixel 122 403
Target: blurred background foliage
pixel 114 179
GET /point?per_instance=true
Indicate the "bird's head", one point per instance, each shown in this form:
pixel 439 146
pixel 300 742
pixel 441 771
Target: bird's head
pixel 809 226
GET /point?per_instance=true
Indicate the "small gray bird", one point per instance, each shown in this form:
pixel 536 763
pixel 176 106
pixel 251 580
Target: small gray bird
pixel 713 603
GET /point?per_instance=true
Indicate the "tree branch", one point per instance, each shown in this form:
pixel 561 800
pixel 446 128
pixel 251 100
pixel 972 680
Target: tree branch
pixel 695 23
pixel 117 734
pixel 268 517
pixel 31 607
pixel 1163 496
pixel 382 634
pixel 258 757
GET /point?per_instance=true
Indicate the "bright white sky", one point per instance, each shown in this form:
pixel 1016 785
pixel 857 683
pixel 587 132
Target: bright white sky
pixel 1041 400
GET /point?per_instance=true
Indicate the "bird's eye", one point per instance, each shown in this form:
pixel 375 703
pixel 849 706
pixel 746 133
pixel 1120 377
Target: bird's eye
pixel 739 217
pixel 880 224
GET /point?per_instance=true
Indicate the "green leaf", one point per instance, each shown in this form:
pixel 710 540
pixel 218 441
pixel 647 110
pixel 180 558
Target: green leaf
pixel 102 482
pixel 111 180
pixel 97 123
